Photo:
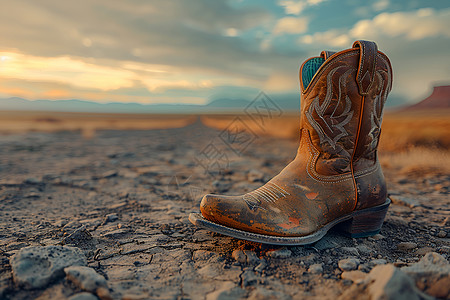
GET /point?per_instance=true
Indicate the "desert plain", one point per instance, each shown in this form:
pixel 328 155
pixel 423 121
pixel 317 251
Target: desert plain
pixel 96 206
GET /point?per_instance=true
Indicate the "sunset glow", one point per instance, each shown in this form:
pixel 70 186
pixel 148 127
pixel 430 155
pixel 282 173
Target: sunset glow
pixel 175 52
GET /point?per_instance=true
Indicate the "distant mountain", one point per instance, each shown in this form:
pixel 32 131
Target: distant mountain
pixel 222 105
pixel 439 98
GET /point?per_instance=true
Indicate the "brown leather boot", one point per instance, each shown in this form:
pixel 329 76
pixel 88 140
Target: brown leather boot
pixel 336 177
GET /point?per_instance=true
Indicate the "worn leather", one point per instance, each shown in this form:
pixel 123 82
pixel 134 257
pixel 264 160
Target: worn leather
pixel 326 54
pixel 336 170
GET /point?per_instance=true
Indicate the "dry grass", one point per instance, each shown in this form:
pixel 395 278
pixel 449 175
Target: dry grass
pixel 425 128
pixel 87 123
pixel 417 161
pixel 417 140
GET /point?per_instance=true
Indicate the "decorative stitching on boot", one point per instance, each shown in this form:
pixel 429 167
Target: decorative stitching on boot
pixel 320 110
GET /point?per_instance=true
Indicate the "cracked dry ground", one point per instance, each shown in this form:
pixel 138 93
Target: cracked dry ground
pixel 124 198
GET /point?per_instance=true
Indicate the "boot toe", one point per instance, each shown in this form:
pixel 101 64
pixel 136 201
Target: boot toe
pixel 208 207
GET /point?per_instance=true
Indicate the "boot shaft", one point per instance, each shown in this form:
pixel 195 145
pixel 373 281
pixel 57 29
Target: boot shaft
pixel 342 107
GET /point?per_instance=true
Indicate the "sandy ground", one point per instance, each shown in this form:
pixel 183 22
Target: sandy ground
pixel 124 197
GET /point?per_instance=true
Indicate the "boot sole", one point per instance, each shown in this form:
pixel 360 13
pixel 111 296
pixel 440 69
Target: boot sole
pixel 361 223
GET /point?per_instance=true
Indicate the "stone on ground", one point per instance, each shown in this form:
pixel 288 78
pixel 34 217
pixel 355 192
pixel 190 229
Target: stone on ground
pixel 35 267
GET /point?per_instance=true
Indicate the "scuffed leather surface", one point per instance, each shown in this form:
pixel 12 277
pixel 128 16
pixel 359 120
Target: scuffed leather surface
pixel 336 169
pixel 311 202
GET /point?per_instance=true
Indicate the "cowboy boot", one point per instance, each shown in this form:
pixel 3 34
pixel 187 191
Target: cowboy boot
pixel 335 177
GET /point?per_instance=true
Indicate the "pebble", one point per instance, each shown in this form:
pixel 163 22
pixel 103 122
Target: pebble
pixel 279 253
pixel 249 278
pixel 348 264
pixel 32 180
pixel 378 261
pixel 350 250
pixel 86 278
pixel 431 274
pixel 406 246
pixel 80 238
pixel 83 296
pixel 388 282
pixel 36 266
pixel 111 217
pixel 316 269
pixel 424 250
pixel 365 250
pixel 442 234
pixel 109 174
pixel 261 266
pixel 239 256
pixel 252 258
pixel 376 237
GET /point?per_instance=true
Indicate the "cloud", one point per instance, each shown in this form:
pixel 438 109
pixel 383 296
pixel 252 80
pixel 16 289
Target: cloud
pixel 157 45
pixel 413 41
pixel 293 7
pixel 416 25
pixel 291 25
pixel 333 38
pixel 380 5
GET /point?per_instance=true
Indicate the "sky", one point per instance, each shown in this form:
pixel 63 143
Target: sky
pixel 195 51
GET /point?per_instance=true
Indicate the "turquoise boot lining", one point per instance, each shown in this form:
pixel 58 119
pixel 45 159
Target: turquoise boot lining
pixel 310 68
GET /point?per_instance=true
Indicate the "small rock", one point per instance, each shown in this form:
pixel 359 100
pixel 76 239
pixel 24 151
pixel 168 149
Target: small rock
pixel 376 237
pixel 80 238
pixel 262 265
pixel 355 276
pixel 405 201
pixel 387 282
pixel 249 278
pixel 85 278
pixel 239 256
pixel 36 266
pixel 32 180
pixel 348 264
pixel 442 234
pixel 379 261
pixel 111 218
pixel 365 250
pixel 279 253
pixel 350 250
pixel 424 250
pixel 431 272
pixel 109 174
pixel 406 246
pixel 32 195
pixel 83 296
pixel 251 257
pixel 316 269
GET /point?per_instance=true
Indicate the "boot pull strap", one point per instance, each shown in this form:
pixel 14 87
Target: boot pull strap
pixel 367 61
pixel 326 54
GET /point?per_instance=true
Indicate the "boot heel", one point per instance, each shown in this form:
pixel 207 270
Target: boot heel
pixel 366 222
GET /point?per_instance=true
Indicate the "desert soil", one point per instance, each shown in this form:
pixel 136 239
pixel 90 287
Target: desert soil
pixel 123 198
